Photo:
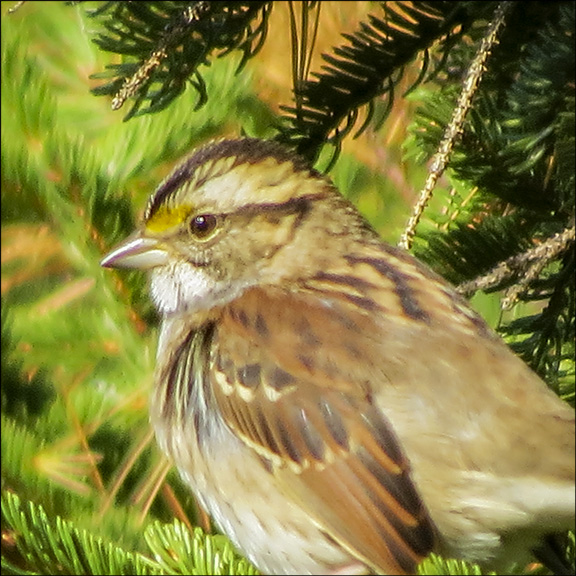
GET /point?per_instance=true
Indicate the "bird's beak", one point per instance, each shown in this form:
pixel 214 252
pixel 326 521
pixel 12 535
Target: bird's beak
pixel 137 251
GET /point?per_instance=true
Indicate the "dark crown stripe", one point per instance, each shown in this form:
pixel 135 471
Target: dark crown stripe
pixel 245 151
pixel 299 205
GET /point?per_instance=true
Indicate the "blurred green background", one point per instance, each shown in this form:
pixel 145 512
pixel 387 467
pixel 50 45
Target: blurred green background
pixel 78 341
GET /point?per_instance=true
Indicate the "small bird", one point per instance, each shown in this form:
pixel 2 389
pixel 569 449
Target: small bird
pixel 335 405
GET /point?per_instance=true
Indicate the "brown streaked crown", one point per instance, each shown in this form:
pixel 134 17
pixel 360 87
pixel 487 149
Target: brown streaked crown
pixel 241 151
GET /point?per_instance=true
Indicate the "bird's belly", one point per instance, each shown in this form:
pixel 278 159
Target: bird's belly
pixel 241 496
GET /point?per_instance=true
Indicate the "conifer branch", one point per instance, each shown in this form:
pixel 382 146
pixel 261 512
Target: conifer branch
pixel 456 124
pixel 524 268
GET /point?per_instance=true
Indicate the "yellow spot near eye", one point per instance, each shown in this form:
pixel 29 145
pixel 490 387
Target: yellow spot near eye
pixel 167 217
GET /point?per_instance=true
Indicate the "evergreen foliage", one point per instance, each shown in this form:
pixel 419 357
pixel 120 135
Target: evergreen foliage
pixel 84 488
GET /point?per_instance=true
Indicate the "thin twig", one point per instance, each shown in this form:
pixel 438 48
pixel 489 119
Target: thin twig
pixel 526 266
pixel 455 126
pixel 16 6
pixel 133 83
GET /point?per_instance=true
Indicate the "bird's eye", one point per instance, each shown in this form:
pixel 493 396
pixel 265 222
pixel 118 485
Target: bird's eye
pixel 203 225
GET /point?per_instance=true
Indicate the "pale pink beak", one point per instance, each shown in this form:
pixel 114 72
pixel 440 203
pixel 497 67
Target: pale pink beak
pixel 137 251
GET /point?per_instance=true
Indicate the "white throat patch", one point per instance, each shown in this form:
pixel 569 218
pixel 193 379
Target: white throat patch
pixel 182 287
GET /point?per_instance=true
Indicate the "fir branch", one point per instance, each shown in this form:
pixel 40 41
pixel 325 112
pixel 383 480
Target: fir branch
pixel 435 565
pixel 526 267
pixel 302 50
pixel 173 36
pixel 166 43
pixel 64 180
pixel 181 551
pixel 510 159
pixel 368 66
pixel 455 126
pixel 546 341
pixel 508 147
pixel 19 448
pixel 51 545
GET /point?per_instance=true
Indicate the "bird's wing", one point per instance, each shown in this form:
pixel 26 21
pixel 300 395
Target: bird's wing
pixel 292 376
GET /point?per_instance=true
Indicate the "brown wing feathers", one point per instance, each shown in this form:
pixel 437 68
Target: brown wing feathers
pixel 345 464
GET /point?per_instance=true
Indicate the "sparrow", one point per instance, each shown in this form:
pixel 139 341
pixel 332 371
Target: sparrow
pixel 335 405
